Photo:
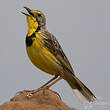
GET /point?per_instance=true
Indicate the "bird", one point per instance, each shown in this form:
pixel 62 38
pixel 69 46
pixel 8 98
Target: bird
pixel 46 53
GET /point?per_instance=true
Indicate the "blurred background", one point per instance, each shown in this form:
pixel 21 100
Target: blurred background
pixel 83 29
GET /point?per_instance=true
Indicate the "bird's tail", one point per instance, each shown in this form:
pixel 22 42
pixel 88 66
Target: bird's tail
pixel 77 86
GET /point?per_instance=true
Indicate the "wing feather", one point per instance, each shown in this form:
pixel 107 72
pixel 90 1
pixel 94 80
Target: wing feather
pixel 54 47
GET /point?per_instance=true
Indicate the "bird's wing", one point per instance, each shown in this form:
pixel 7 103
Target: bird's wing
pixel 54 47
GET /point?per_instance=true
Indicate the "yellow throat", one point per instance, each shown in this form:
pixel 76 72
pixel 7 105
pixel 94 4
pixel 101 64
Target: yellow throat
pixel 32 25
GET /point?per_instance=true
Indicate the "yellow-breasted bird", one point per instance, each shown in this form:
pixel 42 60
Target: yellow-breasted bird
pixel 46 53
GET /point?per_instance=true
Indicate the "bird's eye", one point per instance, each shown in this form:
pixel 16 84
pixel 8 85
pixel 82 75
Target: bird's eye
pixel 39 15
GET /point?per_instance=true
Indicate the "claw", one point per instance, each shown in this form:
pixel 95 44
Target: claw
pixel 29 95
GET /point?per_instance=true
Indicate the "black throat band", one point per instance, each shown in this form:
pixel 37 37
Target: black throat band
pixel 29 39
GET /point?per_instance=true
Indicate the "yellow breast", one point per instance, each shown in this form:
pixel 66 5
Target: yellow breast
pixel 41 57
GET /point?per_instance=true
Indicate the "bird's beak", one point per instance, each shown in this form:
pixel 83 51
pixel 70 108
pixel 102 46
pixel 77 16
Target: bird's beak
pixel 29 11
pixel 25 14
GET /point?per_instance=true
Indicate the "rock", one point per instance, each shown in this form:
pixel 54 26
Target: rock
pixel 41 100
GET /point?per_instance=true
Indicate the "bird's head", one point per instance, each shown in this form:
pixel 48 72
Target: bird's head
pixel 35 20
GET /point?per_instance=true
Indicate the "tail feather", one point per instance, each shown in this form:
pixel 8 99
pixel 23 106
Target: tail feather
pixel 76 84
pixel 78 95
pixel 87 93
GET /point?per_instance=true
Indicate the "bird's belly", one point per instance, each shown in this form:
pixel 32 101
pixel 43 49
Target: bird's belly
pixel 43 59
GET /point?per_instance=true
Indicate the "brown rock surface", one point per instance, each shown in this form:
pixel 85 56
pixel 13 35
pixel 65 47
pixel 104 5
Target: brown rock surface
pixel 42 100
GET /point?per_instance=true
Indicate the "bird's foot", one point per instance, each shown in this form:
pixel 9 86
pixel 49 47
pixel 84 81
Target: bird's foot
pixel 37 90
pixel 43 89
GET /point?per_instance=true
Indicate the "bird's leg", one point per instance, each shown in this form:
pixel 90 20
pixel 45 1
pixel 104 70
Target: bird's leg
pixel 59 78
pixel 55 81
pixel 49 81
pixel 46 86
